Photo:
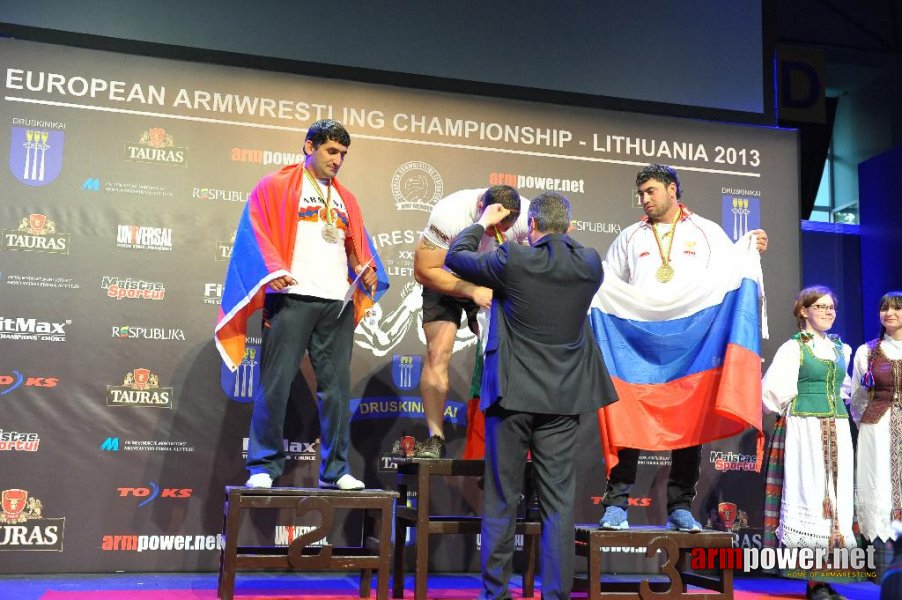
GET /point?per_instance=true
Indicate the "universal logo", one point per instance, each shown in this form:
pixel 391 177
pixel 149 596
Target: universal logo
pixel 140 237
pixel 36 233
pixel 157 146
pixel 416 186
pixel 140 388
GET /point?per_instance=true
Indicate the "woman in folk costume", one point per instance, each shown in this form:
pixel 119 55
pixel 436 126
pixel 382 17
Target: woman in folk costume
pixel 877 409
pixel 809 489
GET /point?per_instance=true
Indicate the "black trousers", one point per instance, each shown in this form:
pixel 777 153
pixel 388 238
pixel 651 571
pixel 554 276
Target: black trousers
pixel 684 471
pixel 552 439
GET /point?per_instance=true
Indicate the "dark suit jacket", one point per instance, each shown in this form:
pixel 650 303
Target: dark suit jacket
pixel 540 355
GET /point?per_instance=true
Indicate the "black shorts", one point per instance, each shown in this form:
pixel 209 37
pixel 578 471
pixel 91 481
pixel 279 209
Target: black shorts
pixel 439 307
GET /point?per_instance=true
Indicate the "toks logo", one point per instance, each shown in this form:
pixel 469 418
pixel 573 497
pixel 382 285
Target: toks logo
pixel 633 501
pixel 22 526
pixel 9 383
pixel 36 233
pixel 157 146
pixel 140 388
pixel 153 492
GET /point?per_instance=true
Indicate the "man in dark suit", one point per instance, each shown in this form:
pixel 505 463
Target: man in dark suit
pixel 542 370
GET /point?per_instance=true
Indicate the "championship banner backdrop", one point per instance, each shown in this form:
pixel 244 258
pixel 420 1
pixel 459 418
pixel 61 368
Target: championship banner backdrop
pixel 124 181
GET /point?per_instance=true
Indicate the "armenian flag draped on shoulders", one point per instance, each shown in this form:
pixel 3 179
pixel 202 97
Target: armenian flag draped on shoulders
pixel 264 244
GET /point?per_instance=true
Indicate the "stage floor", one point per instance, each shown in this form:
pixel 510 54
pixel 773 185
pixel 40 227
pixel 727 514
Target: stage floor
pixel 317 586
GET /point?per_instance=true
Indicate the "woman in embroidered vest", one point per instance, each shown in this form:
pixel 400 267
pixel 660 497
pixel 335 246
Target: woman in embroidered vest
pixel 809 495
pixel 877 409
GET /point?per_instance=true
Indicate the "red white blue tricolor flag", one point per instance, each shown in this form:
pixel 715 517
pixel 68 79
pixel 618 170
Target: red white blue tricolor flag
pixel 687 366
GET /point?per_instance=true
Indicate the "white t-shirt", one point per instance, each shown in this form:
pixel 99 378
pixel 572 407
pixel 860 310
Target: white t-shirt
pixel 320 267
pixel 455 212
pixel 634 256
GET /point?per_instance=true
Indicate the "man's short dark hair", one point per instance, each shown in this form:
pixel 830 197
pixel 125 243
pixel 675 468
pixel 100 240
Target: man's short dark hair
pixel 550 212
pixel 325 130
pixel 661 173
pixel 507 197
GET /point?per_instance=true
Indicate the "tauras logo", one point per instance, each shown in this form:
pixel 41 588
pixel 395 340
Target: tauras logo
pixel 136 332
pixel 23 527
pixel 26 328
pixel 157 146
pixel 140 388
pixel 36 233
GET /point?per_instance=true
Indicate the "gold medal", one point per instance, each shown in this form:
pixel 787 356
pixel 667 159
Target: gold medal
pixel 664 273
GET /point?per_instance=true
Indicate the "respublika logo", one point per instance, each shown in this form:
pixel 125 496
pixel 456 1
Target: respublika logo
pixel 36 153
pixel 29 328
pixel 157 146
pixel 19 441
pixel 133 289
pixel 741 214
pixel 211 193
pixel 142 237
pixel 23 526
pixel 406 370
pixel 156 334
pixel 416 185
pixel 36 233
pixel 243 384
pixel 140 388
pixel 149 494
pixel 13 381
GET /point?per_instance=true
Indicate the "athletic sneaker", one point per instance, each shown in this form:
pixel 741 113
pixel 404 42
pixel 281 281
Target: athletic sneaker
pixel 614 518
pixel 434 447
pixel 259 480
pixel 682 520
pixel 346 482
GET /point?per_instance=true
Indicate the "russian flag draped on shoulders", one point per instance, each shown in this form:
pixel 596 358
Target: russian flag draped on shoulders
pixel 687 367
pixel 263 249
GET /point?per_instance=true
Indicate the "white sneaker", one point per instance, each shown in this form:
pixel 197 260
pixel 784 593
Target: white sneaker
pixel 346 482
pixel 259 480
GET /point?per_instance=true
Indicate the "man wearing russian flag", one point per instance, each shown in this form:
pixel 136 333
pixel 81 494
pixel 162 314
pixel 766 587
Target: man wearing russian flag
pixel 677 321
pixel 299 244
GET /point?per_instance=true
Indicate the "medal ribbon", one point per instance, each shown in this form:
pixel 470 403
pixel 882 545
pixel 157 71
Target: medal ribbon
pixel 327 201
pixel 665 260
